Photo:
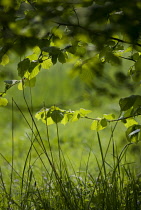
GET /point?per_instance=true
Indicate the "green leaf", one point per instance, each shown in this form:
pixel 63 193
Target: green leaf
pixel 138 64
pixel 76 116
pixel 5 60
pixel 32 66
pixel 137 102
pixel 103 122
pixel 130 122
pixel 66 118
pixel 57 116
pixel 51 50
pixel 3 101
pixel 23 67
pixel 133 133
pixel 20 86
pixel 54 59
pixel 129 112
pixel 46 64
pixel 33 57
pixel 135 56
pixel 44 115
pixel 57 32
pixel 84 112
pixel 127 103
pixel 99 124
pixel 30 83
pixel 61 57
pixel 33 73
pixel 109 116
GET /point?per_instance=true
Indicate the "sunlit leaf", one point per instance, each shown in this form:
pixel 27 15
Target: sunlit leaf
pixel 20 86
pixel 99 124
pixel 3 101
pixel 46 64
pixel 129 122
pixel 36 50
pixel 133 133
pixel 109 116
pixel 32 57
pixel 34 72
pixel 5 60
pixel 76 116
pixel 65 120
pixel 84 112
pixel 57 32
pixel 59 115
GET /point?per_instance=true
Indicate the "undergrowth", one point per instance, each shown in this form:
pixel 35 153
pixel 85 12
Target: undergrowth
pixel 53 187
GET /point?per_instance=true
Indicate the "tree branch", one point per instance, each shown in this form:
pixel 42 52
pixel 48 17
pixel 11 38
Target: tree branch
pixel 115 120
pixel 97 33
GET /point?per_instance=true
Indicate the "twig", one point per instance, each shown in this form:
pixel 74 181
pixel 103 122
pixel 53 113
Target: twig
pixel 97 33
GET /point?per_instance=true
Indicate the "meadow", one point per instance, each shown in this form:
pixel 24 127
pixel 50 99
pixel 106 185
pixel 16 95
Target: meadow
pixel 71 166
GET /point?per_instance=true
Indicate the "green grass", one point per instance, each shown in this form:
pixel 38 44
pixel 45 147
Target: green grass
pixel 45 178
pixel 65 167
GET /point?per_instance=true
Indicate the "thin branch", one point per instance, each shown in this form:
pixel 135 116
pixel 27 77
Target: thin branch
pixel 130 59
pixel 115 120
pixel 76 15
pixel 97 33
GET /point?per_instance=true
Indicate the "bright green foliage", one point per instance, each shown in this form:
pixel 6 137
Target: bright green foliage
pixel 88 34
pixel 57 115
pixel 109 116
pixel 3 101
pixel 131 105
pixel 99 124
pixel 133 133
pixel 27 82
pixel 85 34
pixel 5 60
pixel 129 122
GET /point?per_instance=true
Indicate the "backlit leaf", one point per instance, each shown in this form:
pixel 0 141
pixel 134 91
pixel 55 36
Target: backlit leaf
pixel 34 72
pixel 109 116
pixel 133 133
pixel 5 60
pixel 129 122
pixel 46 64
pixel 3 101
pixel 84 112
pixel 98 125
pixel 76 116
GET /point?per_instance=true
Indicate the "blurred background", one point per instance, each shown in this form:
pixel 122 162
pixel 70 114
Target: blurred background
pixel 61 86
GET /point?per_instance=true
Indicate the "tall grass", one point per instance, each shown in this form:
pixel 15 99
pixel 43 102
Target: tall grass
pixel 53 187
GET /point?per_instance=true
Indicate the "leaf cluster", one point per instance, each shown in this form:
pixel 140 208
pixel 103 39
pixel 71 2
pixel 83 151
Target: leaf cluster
pixel 88 34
